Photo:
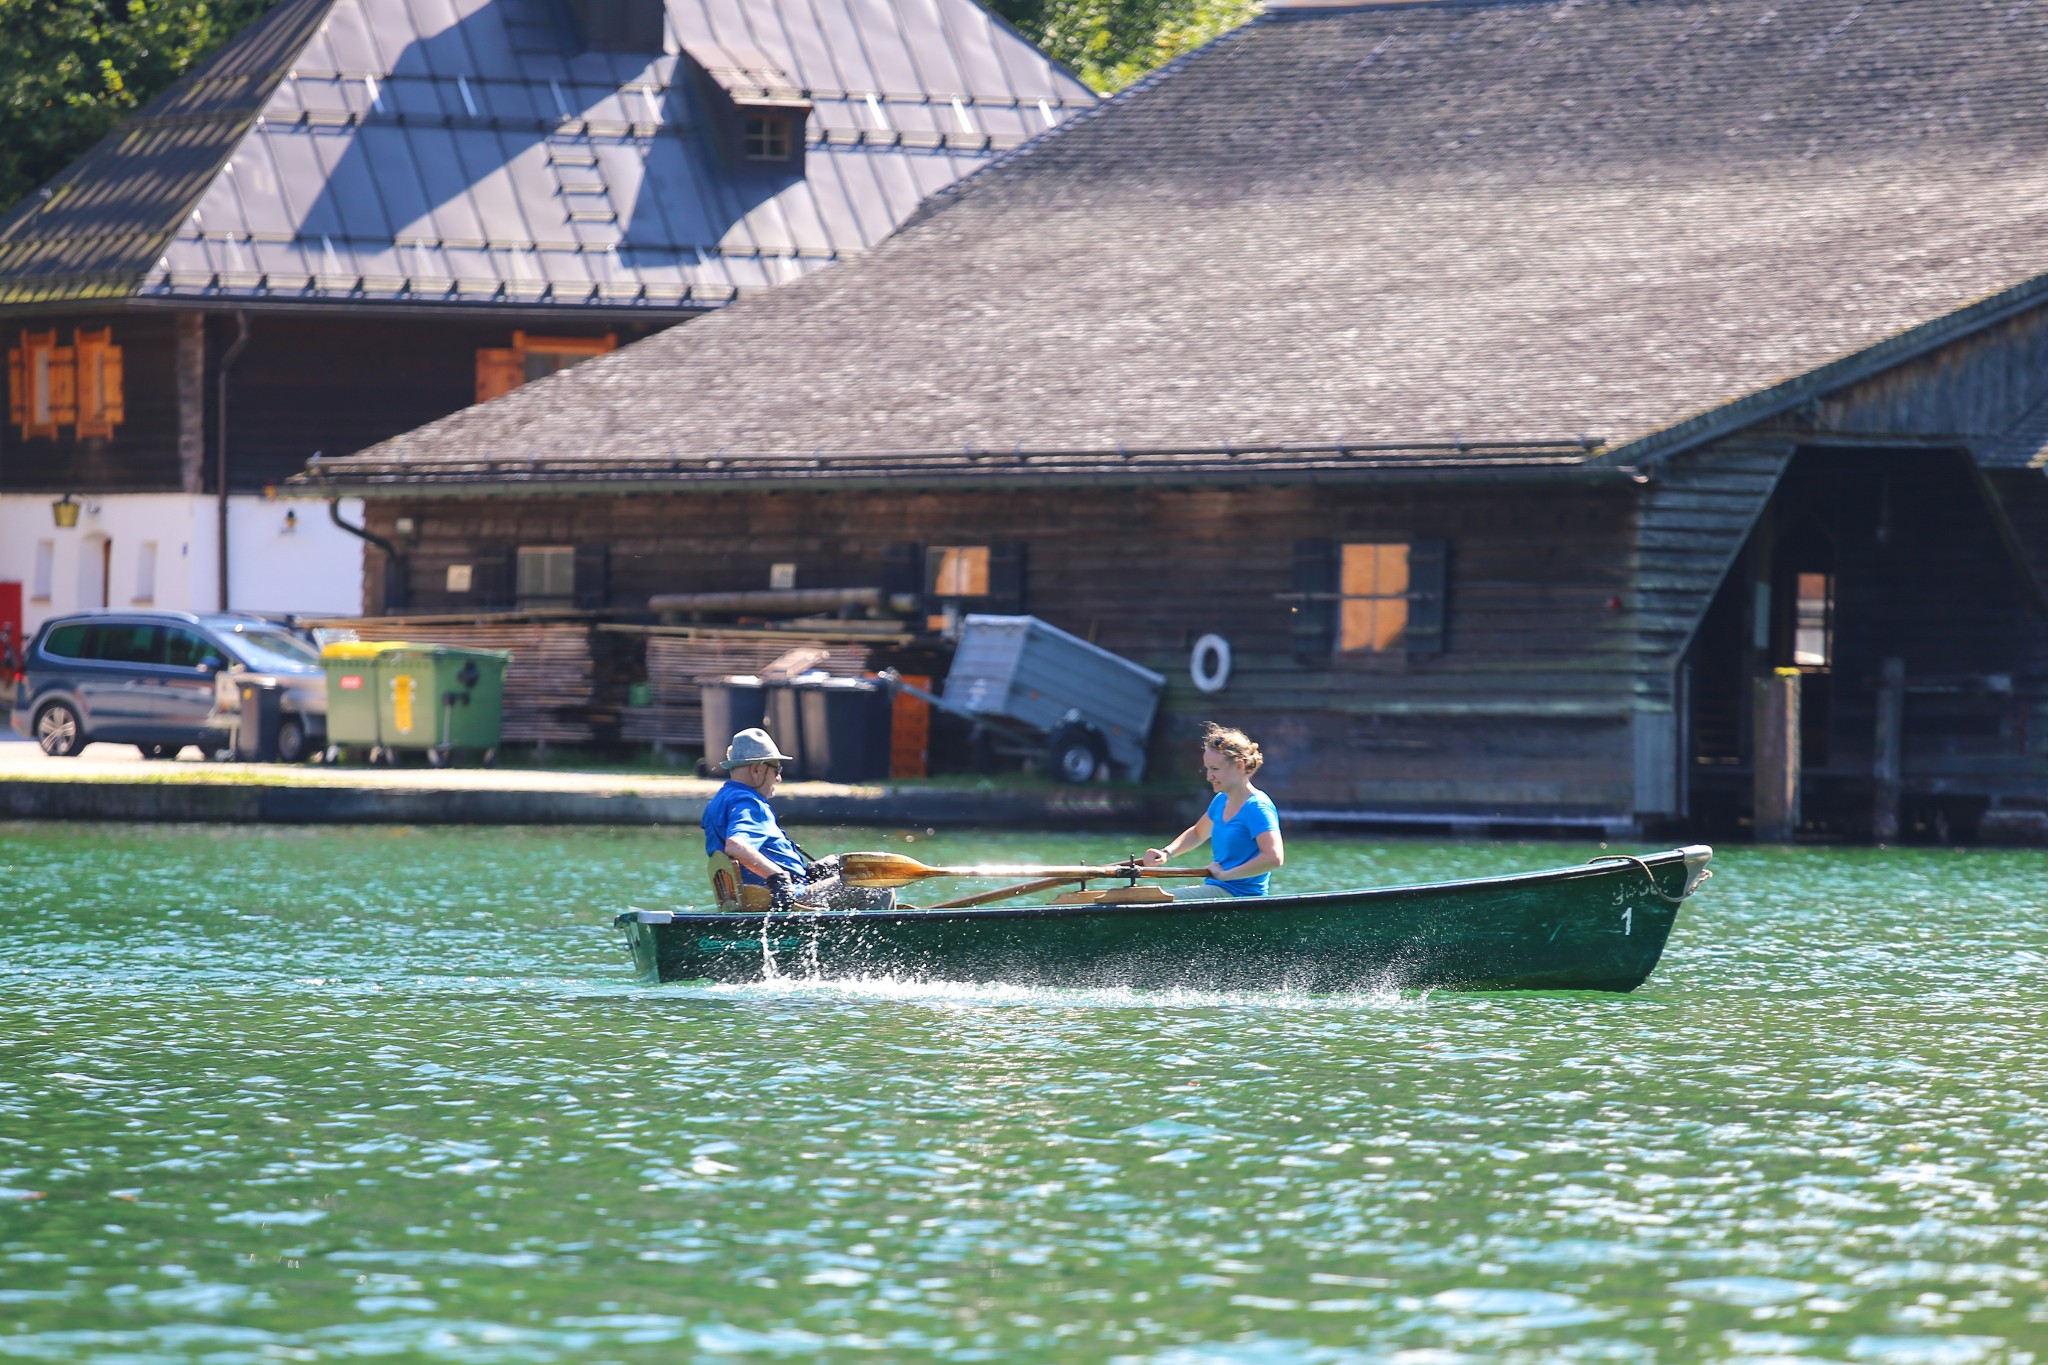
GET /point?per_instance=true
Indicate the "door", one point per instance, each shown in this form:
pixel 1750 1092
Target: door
pixel 184 686
pixel 95 556
pixel 116 681
pixel 11 640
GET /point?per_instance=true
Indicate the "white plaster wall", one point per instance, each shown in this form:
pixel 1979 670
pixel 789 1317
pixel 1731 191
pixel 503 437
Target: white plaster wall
pixel 302 564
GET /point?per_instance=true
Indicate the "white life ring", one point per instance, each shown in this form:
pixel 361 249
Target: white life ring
pixel 1209 665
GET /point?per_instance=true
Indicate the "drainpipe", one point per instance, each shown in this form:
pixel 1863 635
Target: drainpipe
pixel 391 565
pixel 221 457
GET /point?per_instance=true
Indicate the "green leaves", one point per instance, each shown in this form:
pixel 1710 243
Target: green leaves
pixel 1111 43
pixel 71 69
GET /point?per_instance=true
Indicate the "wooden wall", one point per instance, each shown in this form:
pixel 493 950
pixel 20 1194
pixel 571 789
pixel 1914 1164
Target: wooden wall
pixel 336 384
pixel 333 383
pixel 142 454
pixel 1526 710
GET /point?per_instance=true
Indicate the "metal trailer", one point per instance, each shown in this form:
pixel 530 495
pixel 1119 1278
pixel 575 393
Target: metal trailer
pixel 1033 690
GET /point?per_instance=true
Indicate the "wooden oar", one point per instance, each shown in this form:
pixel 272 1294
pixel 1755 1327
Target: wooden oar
pixel 1005 893
pixel 894 869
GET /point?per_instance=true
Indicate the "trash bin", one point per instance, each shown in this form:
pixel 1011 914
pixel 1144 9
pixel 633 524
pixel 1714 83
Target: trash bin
pixel 845 729
pixel 442 700
pixel 352 689
pixel 261 708
pixel 730 706
pixel 783 718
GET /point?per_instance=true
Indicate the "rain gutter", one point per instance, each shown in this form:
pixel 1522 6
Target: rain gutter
pixel 227 363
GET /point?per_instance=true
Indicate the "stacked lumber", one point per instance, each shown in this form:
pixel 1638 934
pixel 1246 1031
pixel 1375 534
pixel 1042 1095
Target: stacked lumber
pixel 678 666
pixel 550 686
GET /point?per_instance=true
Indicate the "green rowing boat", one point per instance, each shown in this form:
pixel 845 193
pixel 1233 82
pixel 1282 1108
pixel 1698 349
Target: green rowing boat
pixel 1599 926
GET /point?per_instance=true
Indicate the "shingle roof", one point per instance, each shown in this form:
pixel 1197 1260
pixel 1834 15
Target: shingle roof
pixel 468 151
pixel 1402 223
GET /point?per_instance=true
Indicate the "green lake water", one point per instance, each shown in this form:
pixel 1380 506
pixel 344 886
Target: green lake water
pixel 277 1093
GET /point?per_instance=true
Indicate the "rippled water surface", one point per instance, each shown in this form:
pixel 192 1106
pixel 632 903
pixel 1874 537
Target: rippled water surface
pixel 295 1094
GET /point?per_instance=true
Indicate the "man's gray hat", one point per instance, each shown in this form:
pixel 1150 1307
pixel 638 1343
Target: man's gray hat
pixel 753 746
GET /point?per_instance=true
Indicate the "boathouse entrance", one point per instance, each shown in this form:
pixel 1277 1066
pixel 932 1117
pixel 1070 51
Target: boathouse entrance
pixel 1881 589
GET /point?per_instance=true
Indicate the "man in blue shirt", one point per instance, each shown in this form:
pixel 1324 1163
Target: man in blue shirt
pixel 740 824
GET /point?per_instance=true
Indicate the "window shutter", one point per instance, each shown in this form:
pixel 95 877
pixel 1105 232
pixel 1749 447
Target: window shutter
pixel 593 577
pixel 903 570
pixel 63 386
pixel 499 370
pixel 98 390
pixel 1428 583
pixel 494 576
pixel 114 406
pixel 1005 579
pixel 1313 607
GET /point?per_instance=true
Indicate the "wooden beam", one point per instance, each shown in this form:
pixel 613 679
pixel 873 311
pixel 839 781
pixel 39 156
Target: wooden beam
pixel 1775 814
pixel 1891 728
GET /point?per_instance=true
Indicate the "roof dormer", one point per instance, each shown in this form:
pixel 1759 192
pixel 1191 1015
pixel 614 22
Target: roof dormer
pixel 760 111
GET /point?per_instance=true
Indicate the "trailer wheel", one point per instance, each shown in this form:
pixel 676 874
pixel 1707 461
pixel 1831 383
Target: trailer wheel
pixel 1075 754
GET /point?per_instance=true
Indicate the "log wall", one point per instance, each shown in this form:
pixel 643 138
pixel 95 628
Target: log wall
pixel 1526 711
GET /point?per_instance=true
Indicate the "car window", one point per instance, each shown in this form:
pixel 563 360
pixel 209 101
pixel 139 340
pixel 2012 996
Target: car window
pixel 186 648
pixel 67 642
pixel 273 649
pixel 123 643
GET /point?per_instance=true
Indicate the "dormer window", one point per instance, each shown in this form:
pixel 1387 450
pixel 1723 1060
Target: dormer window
pixel 759 110
pixel 767 137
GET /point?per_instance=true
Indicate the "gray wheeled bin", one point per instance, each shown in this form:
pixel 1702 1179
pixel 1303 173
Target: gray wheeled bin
pixel 846 725
pixel 730 706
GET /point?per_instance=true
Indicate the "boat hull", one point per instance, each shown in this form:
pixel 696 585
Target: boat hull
pixel 1601 926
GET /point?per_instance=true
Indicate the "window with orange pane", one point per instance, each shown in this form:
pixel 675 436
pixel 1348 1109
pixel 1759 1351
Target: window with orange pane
pixel 1372 598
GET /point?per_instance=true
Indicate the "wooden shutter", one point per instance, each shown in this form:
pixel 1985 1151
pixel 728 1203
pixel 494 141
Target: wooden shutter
pixel 499 370
pixel 903 570
pixel 1005 580
pixel 64 385
pixel 593 577
pixel 1428 583
pixel 494 575
pixel 38 348
pixel 1313 603
pixel 100 405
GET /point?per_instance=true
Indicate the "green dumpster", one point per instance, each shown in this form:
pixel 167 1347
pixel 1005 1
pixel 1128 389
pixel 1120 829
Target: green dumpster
pixel 352 690
pixel 441 700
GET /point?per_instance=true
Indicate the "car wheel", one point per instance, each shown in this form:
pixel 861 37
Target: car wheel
pixel 1074 754
pixel 58 732
pixel 291 740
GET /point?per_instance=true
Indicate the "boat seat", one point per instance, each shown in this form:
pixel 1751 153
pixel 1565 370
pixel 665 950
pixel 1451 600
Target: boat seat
pixel 730 892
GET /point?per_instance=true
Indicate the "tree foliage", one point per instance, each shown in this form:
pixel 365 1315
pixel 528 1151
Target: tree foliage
pixel 71 69
pixel 1111 43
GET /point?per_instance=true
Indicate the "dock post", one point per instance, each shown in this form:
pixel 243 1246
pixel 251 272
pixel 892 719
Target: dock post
pixel 1887 764
pixel 1776 810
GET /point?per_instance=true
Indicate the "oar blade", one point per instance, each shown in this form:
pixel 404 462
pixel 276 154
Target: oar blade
pixel 882 869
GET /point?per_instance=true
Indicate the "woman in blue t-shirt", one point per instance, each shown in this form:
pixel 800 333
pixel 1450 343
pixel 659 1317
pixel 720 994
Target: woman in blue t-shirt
pixel 1241 826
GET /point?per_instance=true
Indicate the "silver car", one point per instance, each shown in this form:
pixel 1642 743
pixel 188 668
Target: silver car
pixel 152 679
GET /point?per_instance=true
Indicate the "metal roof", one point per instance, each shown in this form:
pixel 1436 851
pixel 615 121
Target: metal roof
pixel 468 151
pixel 1392 224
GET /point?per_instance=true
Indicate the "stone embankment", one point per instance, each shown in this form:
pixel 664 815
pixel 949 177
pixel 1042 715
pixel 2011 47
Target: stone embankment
pixel 110 782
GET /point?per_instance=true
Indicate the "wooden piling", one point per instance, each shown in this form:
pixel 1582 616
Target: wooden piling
pixel 1776 808
pixel 1886 766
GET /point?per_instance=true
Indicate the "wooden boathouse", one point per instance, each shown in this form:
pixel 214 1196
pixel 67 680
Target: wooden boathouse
pixel 1572 413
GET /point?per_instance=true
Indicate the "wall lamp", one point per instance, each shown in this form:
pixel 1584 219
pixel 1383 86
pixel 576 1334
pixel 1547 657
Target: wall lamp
pixel 64 512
